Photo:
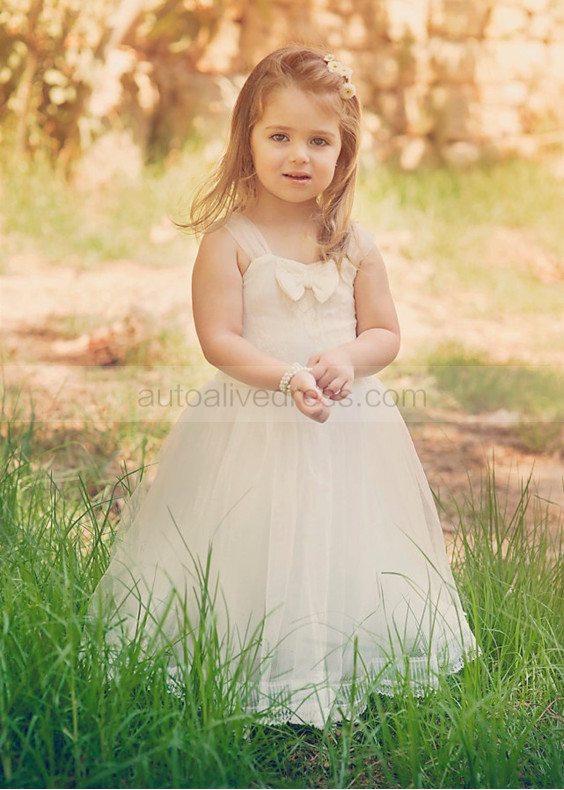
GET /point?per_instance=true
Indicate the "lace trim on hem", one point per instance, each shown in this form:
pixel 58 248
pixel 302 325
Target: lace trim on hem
pixel 320 703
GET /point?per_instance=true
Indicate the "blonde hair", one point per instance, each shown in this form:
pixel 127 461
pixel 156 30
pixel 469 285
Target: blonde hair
pixel 232 186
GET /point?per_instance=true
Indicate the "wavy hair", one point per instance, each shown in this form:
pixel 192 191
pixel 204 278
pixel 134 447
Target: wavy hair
pixel 232 186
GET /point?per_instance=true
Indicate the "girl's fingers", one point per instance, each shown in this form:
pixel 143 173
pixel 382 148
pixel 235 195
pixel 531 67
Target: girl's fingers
pixel 329 382
pixel 313 361
pixel 338 388
pixel 332 379
pixel 312 404
pixel 338 395
pixel 318 379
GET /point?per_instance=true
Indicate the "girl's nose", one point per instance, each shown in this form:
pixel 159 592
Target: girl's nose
pixel 298 153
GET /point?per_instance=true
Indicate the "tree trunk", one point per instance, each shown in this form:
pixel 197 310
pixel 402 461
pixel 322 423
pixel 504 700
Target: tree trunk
pixel 26 84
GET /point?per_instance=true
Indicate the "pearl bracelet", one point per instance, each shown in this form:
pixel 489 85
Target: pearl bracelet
pixel 284 385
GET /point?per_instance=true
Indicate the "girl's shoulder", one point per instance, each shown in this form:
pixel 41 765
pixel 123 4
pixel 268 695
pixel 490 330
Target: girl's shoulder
pixel 217 244
pixel 361 244
pixel 228 229
pixel 234 239
pixel 217 235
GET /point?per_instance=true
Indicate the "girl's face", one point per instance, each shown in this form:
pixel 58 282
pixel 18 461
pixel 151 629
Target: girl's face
pixel 295 146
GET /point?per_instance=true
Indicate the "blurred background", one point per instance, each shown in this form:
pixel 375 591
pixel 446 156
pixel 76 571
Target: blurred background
pixel 111 111
pixel 104 86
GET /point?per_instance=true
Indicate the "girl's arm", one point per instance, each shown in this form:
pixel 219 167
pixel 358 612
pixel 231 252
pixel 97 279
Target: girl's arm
pixel 378 333
pixel 217 301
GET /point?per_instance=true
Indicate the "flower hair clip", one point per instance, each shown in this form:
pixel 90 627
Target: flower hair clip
pixel 347 90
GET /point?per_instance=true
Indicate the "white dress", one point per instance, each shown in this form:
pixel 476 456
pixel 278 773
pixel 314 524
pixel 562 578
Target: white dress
pixel 324 537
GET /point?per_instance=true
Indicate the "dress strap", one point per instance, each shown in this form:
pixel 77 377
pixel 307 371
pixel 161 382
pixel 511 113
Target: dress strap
pixel 247 236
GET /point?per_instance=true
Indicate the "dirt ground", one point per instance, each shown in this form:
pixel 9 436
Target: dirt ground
pixel 56 319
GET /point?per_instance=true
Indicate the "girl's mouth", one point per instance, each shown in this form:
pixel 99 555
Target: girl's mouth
pixel 298 177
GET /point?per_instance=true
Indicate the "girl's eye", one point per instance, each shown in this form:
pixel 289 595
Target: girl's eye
pixel 319 141
pixel 278 137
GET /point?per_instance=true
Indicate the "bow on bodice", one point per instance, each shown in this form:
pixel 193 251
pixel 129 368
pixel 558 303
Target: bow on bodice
pixel 294 277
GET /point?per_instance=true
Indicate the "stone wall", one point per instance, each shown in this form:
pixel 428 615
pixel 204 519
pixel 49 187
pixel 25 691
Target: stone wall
pixel 448 80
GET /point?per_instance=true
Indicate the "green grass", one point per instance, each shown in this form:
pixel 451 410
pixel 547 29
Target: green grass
pixel 514 193
pixel 452 216
pixel 455 382
pixel 46 215
pixel 469 381
pixel 479 385
pixel 63 723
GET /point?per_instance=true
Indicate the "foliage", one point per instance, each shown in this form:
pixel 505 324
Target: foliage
pixel 65 64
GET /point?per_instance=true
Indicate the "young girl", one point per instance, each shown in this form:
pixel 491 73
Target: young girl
pixel 293 474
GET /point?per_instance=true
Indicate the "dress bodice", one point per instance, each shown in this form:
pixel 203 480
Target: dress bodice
pixel 293 309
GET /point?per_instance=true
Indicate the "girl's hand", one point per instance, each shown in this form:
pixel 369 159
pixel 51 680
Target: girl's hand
pixel 333 371
pixel 308 397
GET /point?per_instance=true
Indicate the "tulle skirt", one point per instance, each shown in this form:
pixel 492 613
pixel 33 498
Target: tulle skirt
pixel 318 543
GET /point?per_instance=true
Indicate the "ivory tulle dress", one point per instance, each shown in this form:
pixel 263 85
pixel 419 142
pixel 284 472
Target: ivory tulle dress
pixel 324 537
